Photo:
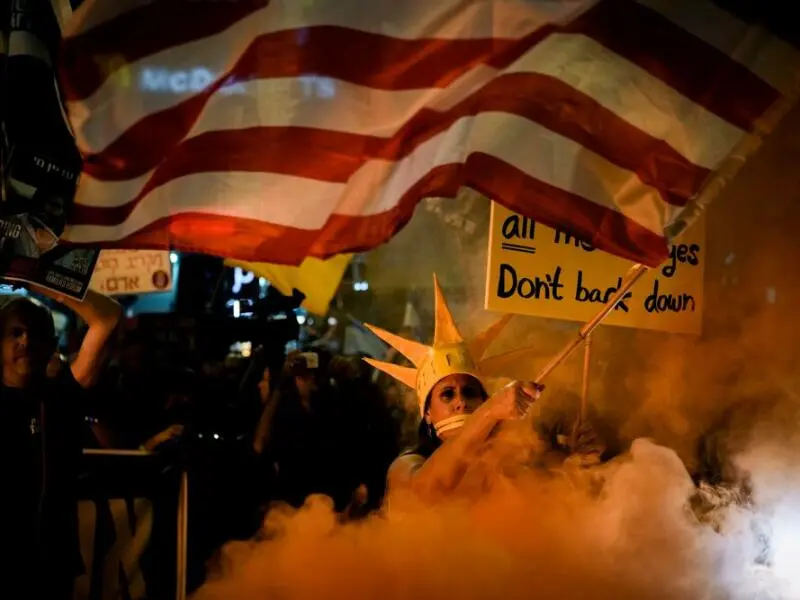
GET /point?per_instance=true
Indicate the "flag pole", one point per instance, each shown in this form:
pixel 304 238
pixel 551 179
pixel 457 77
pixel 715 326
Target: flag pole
pixel 633 275
pixel 182 541
pixel 587 358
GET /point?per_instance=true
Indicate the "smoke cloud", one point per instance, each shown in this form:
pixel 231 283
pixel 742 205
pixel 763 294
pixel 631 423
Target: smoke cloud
pixel 623 531
pixel 723 409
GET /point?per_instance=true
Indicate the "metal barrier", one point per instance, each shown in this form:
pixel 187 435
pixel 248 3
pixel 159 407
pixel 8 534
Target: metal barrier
pixel 116 520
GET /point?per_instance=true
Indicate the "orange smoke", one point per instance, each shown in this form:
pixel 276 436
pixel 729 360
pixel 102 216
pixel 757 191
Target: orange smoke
pixel 526 534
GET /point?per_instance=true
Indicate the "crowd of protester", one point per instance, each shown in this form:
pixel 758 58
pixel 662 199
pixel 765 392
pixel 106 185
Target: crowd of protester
pixel 251 431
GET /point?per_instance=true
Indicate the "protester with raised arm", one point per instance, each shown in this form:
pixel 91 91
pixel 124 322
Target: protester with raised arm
pixel 458 414
pixel 40 446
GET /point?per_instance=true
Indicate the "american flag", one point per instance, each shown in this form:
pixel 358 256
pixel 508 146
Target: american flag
pixel 272 130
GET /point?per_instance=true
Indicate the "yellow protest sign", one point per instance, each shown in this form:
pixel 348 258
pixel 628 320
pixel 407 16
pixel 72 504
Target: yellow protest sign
pixel 535 270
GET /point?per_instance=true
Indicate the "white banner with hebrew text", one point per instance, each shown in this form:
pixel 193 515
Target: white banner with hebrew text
pixel 121 272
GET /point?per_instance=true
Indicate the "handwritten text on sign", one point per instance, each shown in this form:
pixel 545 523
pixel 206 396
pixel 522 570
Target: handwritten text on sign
pixel 132 272
pixel 539 271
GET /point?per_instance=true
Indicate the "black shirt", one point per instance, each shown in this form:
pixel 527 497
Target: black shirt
pixel 40 452
pixel 20 457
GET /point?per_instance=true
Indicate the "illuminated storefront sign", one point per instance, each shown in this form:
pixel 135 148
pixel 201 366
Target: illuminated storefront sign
pixel 246 289
pixel 240 279
pixel 184 81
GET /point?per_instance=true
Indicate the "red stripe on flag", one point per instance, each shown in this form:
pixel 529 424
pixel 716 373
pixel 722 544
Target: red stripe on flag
pixel 247 239
pixel 252 240
pixel 335 156
pixel 539 98
pixel 606 229
pixel 220 235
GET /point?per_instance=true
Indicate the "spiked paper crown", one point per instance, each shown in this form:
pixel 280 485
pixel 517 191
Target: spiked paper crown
pixel 449 354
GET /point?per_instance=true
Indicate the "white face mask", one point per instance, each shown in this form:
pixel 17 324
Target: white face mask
pixel 450 424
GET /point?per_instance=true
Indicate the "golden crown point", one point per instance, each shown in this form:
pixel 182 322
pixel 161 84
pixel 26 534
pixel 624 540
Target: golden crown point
pixel 445 330
pixel 450 354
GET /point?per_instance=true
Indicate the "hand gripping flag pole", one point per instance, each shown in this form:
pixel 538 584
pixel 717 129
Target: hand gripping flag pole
pixel 631 278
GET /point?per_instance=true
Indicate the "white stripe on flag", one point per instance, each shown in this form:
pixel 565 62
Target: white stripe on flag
pixel 552 159
pixel 620 86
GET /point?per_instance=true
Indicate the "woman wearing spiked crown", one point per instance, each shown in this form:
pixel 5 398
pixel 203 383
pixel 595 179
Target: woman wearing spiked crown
pixel 458 414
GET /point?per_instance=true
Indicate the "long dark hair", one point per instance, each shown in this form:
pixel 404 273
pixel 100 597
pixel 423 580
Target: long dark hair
pixel 427 440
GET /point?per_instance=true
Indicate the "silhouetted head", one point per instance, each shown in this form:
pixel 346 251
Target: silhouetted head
pixel 29 341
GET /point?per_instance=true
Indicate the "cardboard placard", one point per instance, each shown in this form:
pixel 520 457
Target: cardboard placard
pixel 538 271
pixel 61 269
